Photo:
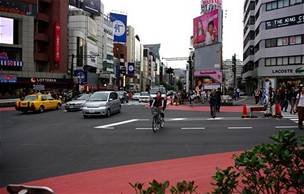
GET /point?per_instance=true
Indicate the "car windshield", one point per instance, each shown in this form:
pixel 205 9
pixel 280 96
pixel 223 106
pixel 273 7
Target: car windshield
pixel 144 94
pixel 84 97
pixel 30 98
pixel 136 94
pixel 99 97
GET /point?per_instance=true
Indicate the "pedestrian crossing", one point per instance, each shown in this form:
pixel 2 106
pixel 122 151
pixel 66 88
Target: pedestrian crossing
pixel 291 117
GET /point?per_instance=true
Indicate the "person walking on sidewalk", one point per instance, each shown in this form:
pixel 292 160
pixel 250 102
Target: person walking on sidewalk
pixel 212 102
pixel 300 107
pixel 285 100
pixel 218 96
pixel 257 95
pixel 292 100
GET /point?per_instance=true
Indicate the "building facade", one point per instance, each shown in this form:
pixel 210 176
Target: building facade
pixel 34 52
pixel 86 46
pixel 273 43
pixel 228 74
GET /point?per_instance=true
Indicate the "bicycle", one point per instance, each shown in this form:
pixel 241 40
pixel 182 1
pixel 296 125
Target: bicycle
pixel 157 121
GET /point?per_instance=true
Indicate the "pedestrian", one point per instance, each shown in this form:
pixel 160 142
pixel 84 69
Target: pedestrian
pixel 285 100
pixel 257 95
pixel 300 107
pixel 218 96
pixel 292 100
pixel 212 102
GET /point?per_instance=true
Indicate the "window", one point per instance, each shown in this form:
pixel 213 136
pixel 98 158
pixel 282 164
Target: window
pixel 43 98
pixel 274 5
pixel 268 62
pixel 298 59
pixel 283 41
pixel 280 61
pixel 293 2
pixel 50 98
pixel 285 61
pixel 292 60
pixel 273 61
pixel 286 3
pixel 280 3
pixel 268 6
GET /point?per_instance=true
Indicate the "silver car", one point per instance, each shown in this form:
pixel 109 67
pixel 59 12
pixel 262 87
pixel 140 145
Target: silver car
pixel 102 104
pixel 76 104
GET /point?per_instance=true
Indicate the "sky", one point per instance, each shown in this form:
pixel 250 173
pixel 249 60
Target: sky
pixel 170 23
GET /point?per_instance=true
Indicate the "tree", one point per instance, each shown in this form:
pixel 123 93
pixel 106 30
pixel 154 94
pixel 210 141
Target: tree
pixel 180 85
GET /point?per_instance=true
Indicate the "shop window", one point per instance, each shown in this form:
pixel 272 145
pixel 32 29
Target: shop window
pixel 280 61
pixel 298 59
pixel 285 60
pixel 292 60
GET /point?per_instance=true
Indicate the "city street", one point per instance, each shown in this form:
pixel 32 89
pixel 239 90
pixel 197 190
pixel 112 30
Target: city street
pixel 37 146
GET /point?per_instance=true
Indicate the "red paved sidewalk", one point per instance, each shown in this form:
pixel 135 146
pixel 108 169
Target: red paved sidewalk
pixel 116 180
pixel 205 108
pixel 3 109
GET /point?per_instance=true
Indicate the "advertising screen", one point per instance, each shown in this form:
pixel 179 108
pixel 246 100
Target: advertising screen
pixel 6 30
pixel 120 27
pixel 206 28
pixel 92 53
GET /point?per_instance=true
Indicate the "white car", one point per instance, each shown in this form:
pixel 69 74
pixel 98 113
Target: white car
pixel 144 97
pixel 136 96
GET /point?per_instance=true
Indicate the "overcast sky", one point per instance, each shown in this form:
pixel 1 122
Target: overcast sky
pixel 170 22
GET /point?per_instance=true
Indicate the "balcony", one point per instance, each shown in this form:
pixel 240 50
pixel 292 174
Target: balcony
pixel 41 56
pixel 43 17
pixel 42 37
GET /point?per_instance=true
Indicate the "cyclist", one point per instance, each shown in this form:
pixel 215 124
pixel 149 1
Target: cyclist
pixel 159 103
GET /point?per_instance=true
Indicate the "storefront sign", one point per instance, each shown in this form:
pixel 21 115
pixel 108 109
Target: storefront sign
pixel 291 70
pixel 4 78
pixel 10 63
pixel 92 53
pixel 286 21
pixel 57 45
pixel 43 80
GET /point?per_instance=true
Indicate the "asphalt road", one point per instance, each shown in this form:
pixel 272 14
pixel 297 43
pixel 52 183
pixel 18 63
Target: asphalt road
pixel 36 146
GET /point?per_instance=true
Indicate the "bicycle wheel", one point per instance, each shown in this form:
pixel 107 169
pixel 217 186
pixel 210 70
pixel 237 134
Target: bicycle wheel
pixel 154 124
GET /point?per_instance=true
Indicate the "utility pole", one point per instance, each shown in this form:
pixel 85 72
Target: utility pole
pixel 234 70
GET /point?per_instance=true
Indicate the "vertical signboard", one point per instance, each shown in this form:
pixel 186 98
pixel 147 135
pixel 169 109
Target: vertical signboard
pixel 131 69
pixel 92 53
pixel 57 46
pixel 120 27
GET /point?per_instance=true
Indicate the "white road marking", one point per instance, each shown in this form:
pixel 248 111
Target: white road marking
pixel 286 127
pixel 193 128
pixel 143 128
pixel 176 119
pixel 239 127
pixel 215 119
pixel 109 126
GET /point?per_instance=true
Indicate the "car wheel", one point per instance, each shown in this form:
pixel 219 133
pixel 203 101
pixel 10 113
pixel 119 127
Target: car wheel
pixel 41 109
pixel 108 113
pixel 85 116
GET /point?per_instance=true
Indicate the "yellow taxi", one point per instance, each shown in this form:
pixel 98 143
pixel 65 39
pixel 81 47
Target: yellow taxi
pixel 37 103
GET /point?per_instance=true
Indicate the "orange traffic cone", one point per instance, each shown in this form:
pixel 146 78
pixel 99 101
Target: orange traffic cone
pixel 278 111
pixel 245 112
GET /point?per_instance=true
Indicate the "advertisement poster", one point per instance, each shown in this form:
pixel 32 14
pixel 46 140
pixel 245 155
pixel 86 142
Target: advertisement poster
pixel 131 68
pixel 92 52
pixel 206 28
pixel 6 30
pixel 210 5
pixel 92 6
pixel 210 76
pixel 120 27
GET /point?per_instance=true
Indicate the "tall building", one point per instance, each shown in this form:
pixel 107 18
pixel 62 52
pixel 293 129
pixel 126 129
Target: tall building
pixel 228 73
pixel 155 63
pixel 34 46
pixel 86 45
pixel 273 43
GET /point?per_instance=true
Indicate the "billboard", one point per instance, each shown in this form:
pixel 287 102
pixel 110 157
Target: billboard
pixel 92 6
pixel 4 78
pixel 92 53
pixel 206 58
pixel 131 68
pixel 206 29
pixel 6 30
pixel 17 7
pixel 120 27
pixel 210 5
